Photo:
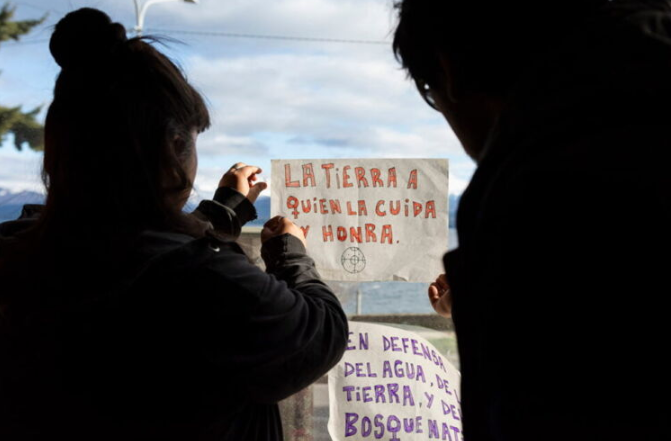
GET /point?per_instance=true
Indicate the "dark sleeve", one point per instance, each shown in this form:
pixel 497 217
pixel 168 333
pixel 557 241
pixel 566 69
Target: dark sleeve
pixel 290 327
pixel 560 263
pixel 29 215
pixel 228 211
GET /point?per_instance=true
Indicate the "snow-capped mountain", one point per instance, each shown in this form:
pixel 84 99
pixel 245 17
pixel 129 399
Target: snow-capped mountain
pixel 12 202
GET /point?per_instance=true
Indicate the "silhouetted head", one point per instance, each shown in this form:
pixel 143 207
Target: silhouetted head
pixel 465 56
pixel 119 152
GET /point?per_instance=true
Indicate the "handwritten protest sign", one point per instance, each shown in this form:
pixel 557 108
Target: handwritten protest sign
pixel 367 219
pixel 393 385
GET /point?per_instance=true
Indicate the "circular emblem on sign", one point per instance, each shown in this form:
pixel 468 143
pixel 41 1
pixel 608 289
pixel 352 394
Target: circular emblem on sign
pixel 353 260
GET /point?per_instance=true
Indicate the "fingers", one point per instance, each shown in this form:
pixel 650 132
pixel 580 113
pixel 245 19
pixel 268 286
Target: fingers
pixel 434 294
pixel 440 296
pixel 244 170
pixel 280 225
pixel 255 190
pixel 285 225
pixel 247 171
pixel 273 223
pixel 242 177
pixel 441 282
pixel 277 224
pixel 440 285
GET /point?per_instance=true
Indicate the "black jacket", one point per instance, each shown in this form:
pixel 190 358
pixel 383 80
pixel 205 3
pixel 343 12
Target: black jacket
pixel 193 342
pixel 560 283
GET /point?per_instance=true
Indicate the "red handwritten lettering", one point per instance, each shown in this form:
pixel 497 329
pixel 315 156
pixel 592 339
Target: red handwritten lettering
pixel 395 210
pixel 363 211
pixel 327 170
pixel 375 177
pixel 378 210
pixel 430 209
pixel 417 208
pixel 412 180
pixel 361 177
pixel 355 234
pixel 391 178
pixel 387 234
pixel 370 233
pixel 287 177
pixel 345 177
pixel 292 204
pixel 335 206
pixel 327 232
pixel 308 175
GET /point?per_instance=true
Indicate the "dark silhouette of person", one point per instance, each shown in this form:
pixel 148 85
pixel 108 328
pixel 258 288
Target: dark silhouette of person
pixel 121 316
pixel 558 289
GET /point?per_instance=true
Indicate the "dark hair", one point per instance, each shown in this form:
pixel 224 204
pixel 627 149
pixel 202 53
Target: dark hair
pixel 117 136
pixel 487 43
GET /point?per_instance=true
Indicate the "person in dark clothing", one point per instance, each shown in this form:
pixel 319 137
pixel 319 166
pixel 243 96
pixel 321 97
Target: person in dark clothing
pixel 124 318
pixel 558 287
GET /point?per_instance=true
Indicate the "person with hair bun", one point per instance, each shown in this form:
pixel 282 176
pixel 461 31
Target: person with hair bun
pixel 121 316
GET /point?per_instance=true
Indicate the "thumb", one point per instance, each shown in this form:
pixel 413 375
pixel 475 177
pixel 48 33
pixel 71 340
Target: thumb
pixel 255 190
pixel 272 224
pixel 433 293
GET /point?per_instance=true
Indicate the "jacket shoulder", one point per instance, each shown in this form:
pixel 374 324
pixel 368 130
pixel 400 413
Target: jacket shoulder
pixel 27 218
pixel 176 250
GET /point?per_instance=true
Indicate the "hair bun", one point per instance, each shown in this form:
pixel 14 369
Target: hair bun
pixel 85 36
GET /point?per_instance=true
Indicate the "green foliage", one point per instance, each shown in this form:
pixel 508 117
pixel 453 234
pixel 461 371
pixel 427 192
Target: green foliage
pixel 22 125
pixel 14 29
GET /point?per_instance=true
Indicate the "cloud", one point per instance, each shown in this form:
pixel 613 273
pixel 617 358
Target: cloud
pixel 214 143
pixel 327 142
pixel 274 98
pixel 325 100
pixel 273 105
pixel 457 185
pixel 353 19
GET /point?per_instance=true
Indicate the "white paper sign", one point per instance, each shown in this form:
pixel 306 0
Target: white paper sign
pixel 393 385
pixel 367 219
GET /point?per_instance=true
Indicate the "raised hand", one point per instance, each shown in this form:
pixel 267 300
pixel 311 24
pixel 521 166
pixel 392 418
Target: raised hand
pixel 281 225
pixel 440 296
pixel 242 177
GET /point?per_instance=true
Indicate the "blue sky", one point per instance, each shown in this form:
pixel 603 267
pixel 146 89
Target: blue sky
pixel 269 98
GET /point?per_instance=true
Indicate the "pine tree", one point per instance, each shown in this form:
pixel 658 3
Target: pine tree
pixel 23 125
